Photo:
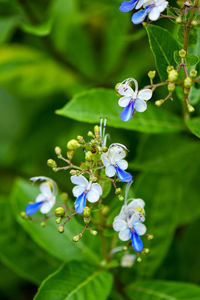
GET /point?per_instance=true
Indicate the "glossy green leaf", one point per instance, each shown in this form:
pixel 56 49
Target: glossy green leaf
pixel 90 106
pixel 193 37
pixel 58 245
pixel 163 46
pixel 190 60
pixel 160 290
pixel 18 251
pixel 194 126
pixel 76 281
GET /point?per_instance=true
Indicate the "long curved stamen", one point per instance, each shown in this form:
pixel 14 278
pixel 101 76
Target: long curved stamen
pixel 126 192
pixel 44 178
pixel 129 80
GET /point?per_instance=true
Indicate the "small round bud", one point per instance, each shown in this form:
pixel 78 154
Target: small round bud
pixel 190 108
pixel 86 220
pixel 105 210
pixel 86 211
pixel 88 156
pixel 51 163
pixel 121 198
pixel 97 130
pixel 194 23
pixel 23 215
pixel 61 229
pixel 90 134
pixel 70 154
pixel 125 248
pixel 93 178
pixel 188 82
pixel 172 75
pixel 150 237
pixel 59 211
pixel 146 250
pixel 80 139
pixel 186 91
pixel 104 149
pixel 118 191
pixel 77 237
pixel 72 172
pixel 182 53
pixel 170 68
pixel 64 196
pixel 159 102
pixel 139 259
pixel 152 74
pixel 178 20
pixel 73 145
pixel 193 73
pixel 43 224
pixel 58 150
pixel 58 220
pixel 93 232
pixel 181 3
pixel 171 87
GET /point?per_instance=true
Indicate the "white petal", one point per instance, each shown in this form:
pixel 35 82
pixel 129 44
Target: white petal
pixel 154 14
pixel 93 196
pixel 41 197
pixel 110 171
pixel 119 224
pixel 124 90
pixel 116 153
pixel 79 180
pixel 96 187
pixel 45 188
pixel 47 205
pixel 139 4
pixel 136 218
pixel 128 260
pixel 140 228
pixel 104 157
pixel 78 190
pixel 145 94
pixel 122 164
pixel 140 105
pixel 124 101
pixel 124 235
pixel 163 6
pixel 135 203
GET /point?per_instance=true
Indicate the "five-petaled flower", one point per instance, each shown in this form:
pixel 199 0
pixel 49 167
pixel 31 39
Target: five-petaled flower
pixel 129 223
pixel 132 100
pixel 46 199
pixel 115 164
pixel 83 190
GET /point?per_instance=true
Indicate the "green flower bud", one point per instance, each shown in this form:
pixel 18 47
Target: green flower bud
pixel 170 68
pixel 93 232
pixel 193 73
pixel 97 130
pixel 58 150
pixel 23 215
pixel 178 20
pixel 118 191
pixel 88 156
pixel 86 220
pixel 86 211
pixel 58 220
pixel 77 237
pixel 64 196
pixel 43 224
pixel 61 229
pixel 139 259
pixel 181 3
pixel 194 23
pixel 171 87
pixel 51 163
pixel 190 108
pixel 186 91
pixel 80 139
pixel 121 198
pixel 125 248
pixel 73 145
pixel 172 75
pixel 152 74
pixel 159 102
pixel 70 154
pixel 72 172
pixel 146 250
pixel 105 210
pixel 188 82
pixel 150 237
pixel 93 178
pixel 104 149
pixel 59 211
pixel 182 53
pixel 90 134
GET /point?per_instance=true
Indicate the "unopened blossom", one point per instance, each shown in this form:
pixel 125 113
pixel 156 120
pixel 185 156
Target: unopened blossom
pixel 128 260
pixel 115 163
pixel 83 190
pixel 129 223
pixel 132 100
pixel 46 199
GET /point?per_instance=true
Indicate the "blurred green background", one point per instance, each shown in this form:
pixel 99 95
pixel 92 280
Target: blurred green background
pixel 49 51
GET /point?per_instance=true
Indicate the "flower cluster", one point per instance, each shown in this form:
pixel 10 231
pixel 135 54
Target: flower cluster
pixel 152 8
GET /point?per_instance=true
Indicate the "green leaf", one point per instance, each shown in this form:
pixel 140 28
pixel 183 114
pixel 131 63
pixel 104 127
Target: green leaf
pixel 190 60
pixel 76 280
pixel 194 126
pixel 193 37
pixel 163 46
pixel 194 96
pixel 160 290
pixel 90 106
pixel 58 245
pixel 38 30
pixel 24 257
pixel 7 26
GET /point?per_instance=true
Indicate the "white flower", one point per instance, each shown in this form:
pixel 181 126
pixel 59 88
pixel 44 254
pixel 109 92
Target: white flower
pixel 128 260
pixel 83 190
pixel 114 162
pixel 132 100
pixel 46 199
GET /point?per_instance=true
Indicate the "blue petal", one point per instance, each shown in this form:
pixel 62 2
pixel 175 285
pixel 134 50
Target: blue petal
pixel 127 5
pixel 123 175
pixel 32 208
pixel 137 243
pixel 127 112
pixel 80 203
pixel 139 16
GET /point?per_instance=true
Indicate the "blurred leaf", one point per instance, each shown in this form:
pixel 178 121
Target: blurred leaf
pixel 7 26
pixel 194 95
pixel 23 257
pixel 58 245
pixel 76 280
pixel 90 106
pixel 38 30
pixel 169 153
pixel 157 290
pixel 194 126
pixel 190 60
pixel 163 46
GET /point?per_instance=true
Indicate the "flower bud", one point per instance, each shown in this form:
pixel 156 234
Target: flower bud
pixel 64 196
pixel 97 130
pixel 121 198
pixel 86 211
pixel 172 75
pixel 77 237
pixel 86 220
pixel 93 178
pixel 93 232
pixel 43 224
pixel 186 91
pixel 118 191
pixel 88 156
pixel 188 82
pixel 190 108
pixel 51 163
pixel 181 3
pixel 182 53
pixel 146 250
pixel 70 154
pixel 125 248
pixel 59 211
pixel 90 134
pixel 72 172
pixel 170 68
pixel 23 215
pixel 105 210
pixel 139 259
pixel 152 74
pixel 61 229
pixel 80 139
pixel 73 145
pixel 58 220
pixel 178 20
pixel 171 87
pixel 58 150
pixel 104 149
pixel 150 237
pixel 194 23
pixel 193 73
pixel 159 102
